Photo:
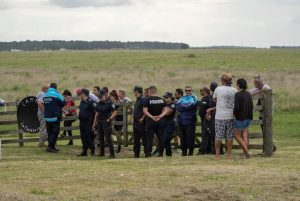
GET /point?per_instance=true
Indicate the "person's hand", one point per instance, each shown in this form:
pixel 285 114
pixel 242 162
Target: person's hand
pixel 157 118
pixel 208 117
pixel 141 120
pixel 94 127
pixel 108 120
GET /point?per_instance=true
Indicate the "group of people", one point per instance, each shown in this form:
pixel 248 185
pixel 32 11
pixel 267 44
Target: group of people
pixel 225 113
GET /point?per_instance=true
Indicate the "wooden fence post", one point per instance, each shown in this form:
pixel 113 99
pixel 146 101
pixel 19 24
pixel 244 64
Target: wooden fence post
pixel 20 133
pixel 268 124
pixel 125 125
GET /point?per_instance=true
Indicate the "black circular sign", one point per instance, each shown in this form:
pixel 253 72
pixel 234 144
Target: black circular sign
pixel 27 115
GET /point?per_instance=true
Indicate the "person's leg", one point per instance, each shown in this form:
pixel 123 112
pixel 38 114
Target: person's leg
pixel 245 134
pixel 136 139
pixel 89 137
pixel 49 132
pixel 101 137
pixel 169 130
pixel 56 130
pixel 160 131
pixel 191 138
pixel 69 124
pixel 64 132
pixel 219 131
pixel 183 140
pixel 83 138
pixel 205 137
pixel 238 136
pixel 42 131
pixel 229 137
pixel 107 134
pixel 149 137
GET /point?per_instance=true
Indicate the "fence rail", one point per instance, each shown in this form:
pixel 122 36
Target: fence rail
pixel 265 110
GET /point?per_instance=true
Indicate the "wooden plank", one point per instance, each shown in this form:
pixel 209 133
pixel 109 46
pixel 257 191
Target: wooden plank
pixel 8 122
pixel 251 146
pixel 70 118
pixel 8 113
pixel 256 122
pixel 7 132
pixel 69 128
pixel 255 135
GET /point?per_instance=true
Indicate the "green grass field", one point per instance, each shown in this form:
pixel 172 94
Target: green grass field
pixel 29 173
pixel 23 73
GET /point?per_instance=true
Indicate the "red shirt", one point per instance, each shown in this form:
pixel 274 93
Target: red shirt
pixel 70 103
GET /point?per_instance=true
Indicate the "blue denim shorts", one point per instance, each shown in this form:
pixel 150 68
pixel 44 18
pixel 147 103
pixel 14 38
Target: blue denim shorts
pixel 241 125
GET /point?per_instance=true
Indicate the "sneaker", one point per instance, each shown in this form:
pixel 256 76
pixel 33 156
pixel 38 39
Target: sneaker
pixel 249 155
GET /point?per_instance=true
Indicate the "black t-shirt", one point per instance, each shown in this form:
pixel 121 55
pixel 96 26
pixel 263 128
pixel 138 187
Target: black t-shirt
pixel 105 109
pixel 212 104
pixel 171 116
pixel 138 109
pixel 154 104
pixel 204 105
pixel 86 110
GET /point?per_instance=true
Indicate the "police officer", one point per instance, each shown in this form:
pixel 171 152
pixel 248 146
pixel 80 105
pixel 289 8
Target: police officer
pixel 152 108
pixel 168 116
pixel 210 116
pixel 138 122
pixel 53 104
pixel 187 120
pixel 85 117
pixel 205 146
pixel 105 113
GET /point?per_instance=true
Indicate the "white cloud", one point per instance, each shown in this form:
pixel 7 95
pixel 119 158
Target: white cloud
pixel 198 22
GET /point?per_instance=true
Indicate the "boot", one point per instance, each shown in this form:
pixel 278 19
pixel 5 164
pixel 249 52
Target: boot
pixel 102 153
pixel 119 149
pixel 191 153
pixel 83 153
pixel 92 152
pixel 184 153
pixel 70 142
pixel 136 155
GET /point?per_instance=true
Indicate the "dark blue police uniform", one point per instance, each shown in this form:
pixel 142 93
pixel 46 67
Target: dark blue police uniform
pixel 104 110
pixel 205 146
pixel 155 106
pixel 85 116
pixel 169 128
pixel 138 127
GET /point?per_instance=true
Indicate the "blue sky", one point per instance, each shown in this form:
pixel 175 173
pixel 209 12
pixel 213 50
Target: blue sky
pixel 258 23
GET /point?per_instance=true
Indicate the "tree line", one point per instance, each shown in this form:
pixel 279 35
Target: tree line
pixel 86 45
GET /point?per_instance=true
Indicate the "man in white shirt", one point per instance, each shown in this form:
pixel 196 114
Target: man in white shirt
pixel 42 128
pixel 224 96
pixel 260 86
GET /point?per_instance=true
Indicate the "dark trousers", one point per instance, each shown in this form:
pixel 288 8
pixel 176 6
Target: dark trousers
pixel 169 129
pixel 53 129
pixel 188 137
pixel 68 123
pixel 105 131
pixel 85 127
pixel 206 141
pixel 151 128
pixel 138 135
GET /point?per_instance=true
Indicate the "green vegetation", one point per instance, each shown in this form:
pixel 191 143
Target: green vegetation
pixel 23 73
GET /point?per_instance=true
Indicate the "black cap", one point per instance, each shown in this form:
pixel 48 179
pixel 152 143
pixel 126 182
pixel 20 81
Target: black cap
pixel 168 95
pixel 86 92
pixel 101 93
pixel 138 89
pixel 213 86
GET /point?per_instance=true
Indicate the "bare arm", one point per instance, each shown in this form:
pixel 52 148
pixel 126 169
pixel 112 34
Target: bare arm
pixel 41 106
pixel 112 116
pixel 95 120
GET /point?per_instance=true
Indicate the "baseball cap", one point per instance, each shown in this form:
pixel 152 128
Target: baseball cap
pixel 138 89
pixel 101 93
pixel 168 95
